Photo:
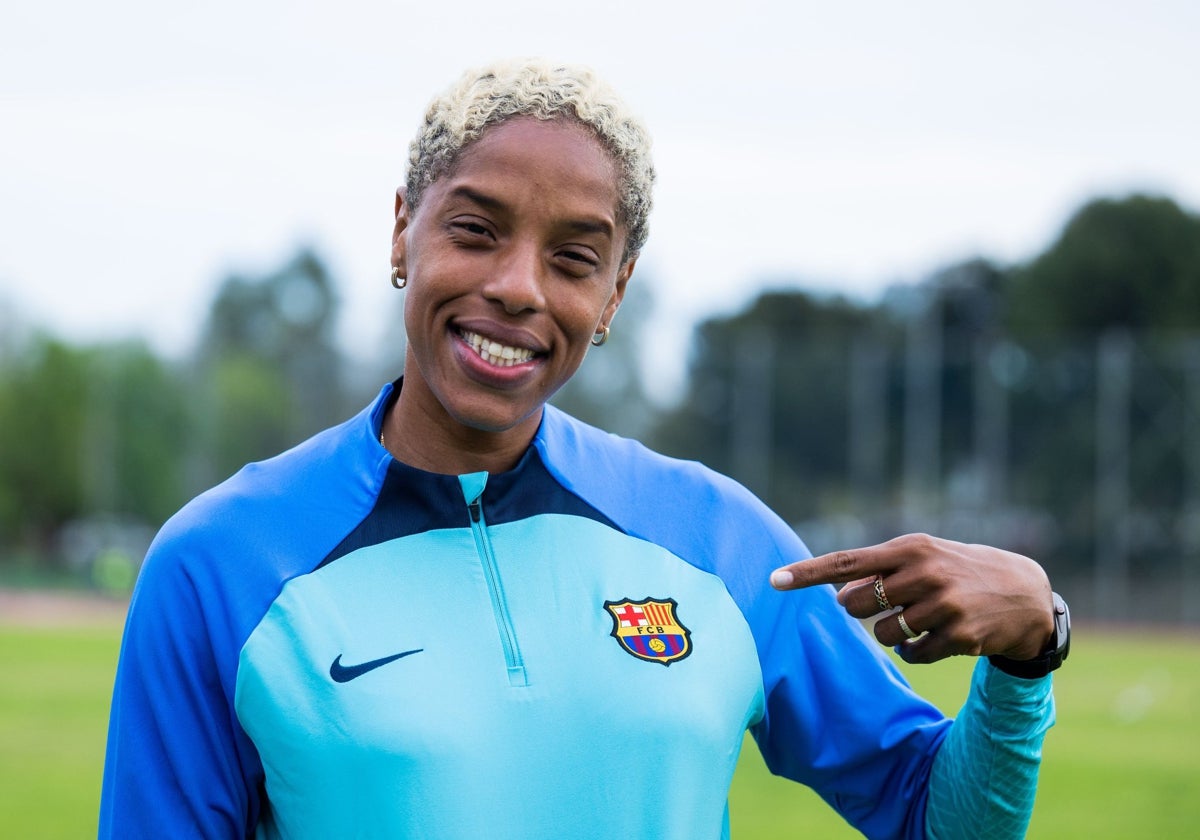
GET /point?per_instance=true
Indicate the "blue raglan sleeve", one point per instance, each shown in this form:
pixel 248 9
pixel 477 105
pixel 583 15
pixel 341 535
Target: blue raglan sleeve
pixel 177 764
pixel 841 719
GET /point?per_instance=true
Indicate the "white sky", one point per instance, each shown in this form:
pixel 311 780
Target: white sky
pixel 147 148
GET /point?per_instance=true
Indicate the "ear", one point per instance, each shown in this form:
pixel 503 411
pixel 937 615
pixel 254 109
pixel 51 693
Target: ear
pixel 614 303
pixel 399 244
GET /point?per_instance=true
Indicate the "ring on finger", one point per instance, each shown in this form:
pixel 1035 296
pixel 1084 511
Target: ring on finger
pixel 908 631
pixel 881 597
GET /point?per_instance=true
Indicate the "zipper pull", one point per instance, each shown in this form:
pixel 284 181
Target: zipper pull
pixel 472 485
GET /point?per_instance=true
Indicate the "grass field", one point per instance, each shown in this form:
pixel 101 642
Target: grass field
pixel 1123 761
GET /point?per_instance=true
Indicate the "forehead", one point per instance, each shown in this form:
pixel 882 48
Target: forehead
pixel 547 154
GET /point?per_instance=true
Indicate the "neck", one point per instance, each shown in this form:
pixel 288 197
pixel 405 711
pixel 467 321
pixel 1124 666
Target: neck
pixel 435 442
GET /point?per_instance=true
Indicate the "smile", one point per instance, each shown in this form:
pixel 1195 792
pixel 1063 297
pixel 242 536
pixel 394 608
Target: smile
pixel 495 353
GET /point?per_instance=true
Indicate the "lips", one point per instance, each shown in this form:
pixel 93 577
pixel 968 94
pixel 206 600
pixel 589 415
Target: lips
pixel 495 353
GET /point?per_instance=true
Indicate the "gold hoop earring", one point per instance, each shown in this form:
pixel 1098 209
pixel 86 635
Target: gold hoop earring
pixel 601 336
pixel 398 281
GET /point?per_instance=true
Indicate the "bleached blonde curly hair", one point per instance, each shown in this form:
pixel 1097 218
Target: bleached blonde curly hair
pixel 538 88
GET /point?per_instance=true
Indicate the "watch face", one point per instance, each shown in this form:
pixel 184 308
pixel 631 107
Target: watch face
pixel 1062 630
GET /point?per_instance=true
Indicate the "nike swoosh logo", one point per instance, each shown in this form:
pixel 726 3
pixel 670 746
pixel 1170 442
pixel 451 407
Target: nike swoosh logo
pixel 344 673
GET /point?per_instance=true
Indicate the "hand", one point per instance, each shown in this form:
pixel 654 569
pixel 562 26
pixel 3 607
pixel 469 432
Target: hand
pixel 963 599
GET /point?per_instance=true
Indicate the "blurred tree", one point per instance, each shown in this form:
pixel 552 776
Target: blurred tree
pixel 268 367
pixel 43 388
pixel 1132 263
pixel 86 432
pixel 1103 308
pixel 137 428
pixel 767 398
pixel 965 299
pixel 254 410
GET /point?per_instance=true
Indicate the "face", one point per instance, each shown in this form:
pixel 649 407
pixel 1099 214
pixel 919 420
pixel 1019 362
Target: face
pixel 513 262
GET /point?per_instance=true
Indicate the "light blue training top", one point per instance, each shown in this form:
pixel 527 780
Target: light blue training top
pixel 332 644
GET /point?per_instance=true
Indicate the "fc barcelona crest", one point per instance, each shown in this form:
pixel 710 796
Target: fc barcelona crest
pixel 650 630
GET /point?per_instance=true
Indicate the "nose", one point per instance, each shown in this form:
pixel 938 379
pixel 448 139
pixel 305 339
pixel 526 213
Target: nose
pixel 517 281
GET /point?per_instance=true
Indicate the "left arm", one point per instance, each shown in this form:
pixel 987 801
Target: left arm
pixel 985 773
pixel 936 599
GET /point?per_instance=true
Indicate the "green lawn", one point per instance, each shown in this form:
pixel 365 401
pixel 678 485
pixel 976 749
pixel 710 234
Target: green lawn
pixel 54 696
pixel 1123 761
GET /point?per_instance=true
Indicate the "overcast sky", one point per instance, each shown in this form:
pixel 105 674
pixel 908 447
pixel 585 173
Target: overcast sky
pixel 148 148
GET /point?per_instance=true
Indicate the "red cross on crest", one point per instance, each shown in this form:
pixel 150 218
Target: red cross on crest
pixel 630 616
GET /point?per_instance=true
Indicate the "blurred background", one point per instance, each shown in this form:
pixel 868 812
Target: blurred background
pixel 919 268
pixel 912 266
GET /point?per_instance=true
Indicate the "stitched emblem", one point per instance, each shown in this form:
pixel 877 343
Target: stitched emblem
pixel 649 629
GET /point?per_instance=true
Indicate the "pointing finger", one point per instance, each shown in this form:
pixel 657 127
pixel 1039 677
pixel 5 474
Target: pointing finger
pixel 838 567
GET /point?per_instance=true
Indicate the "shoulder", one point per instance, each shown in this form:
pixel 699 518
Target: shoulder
pixel 576 447
pixel 684 505
pixel 270 492
pixel 273 519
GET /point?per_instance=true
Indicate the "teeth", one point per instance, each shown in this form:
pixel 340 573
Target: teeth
pixel 495 353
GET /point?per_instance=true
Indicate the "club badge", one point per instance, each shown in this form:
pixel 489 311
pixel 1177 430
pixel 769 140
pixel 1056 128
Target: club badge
pixel 650 630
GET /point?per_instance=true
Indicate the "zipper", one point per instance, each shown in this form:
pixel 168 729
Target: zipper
pixel 472 486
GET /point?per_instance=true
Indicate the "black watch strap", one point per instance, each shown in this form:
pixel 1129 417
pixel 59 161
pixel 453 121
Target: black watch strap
pixel 1051 657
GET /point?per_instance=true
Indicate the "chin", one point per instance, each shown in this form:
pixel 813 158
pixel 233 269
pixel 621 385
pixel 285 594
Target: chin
pixel 495 419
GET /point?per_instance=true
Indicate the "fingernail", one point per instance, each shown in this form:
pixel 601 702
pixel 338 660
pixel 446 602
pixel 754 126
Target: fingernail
pixel 781 578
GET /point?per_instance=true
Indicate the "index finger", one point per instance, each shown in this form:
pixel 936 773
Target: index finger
pixel 835 567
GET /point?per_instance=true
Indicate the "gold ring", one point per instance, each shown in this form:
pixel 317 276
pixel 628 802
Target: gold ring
pixel 881 596
pixel 908 631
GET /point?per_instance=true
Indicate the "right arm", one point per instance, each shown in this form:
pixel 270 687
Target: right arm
pixel 178 763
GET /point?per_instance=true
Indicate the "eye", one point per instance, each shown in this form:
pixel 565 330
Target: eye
pixel 471 230
pixel 578 261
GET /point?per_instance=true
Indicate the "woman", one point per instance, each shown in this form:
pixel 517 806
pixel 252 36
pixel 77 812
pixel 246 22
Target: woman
pixel 464 614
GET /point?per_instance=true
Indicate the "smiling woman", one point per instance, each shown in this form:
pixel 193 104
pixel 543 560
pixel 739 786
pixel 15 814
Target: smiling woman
pixel 465 614
pixel 515 260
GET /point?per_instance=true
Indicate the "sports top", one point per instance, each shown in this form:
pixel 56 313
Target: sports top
pixel 334 644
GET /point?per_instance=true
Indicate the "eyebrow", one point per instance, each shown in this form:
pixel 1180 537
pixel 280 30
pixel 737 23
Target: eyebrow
pixel 477 197
pixel 494 204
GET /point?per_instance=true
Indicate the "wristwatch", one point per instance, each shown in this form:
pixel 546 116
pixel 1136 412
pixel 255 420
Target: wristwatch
pixel 1051 657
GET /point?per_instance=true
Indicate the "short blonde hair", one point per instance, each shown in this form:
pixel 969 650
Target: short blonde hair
pixel 534 87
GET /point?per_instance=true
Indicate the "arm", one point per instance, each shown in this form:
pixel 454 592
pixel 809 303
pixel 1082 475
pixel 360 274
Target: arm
pixel 961 599
pixel 840 717
pixel 985 774
pixel 177 764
